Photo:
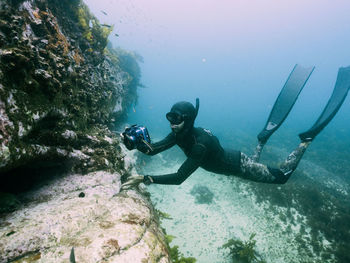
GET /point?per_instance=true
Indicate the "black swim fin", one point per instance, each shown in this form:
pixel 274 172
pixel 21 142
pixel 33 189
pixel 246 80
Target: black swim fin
pixel 285 100
pixel 283 104
pixel 340 91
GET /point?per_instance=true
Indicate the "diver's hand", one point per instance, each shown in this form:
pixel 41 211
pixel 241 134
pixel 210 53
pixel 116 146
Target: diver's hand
pixel 131 182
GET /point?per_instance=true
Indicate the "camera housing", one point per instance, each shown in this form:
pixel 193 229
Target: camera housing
pixel 136 137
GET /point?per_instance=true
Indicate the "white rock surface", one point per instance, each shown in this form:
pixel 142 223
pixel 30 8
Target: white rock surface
pixel 102 226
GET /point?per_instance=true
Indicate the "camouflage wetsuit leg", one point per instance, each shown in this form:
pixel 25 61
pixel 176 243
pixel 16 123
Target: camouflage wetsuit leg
pixel 258 172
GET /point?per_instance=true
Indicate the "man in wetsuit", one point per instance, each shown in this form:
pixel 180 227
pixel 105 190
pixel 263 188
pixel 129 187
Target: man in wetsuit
pixel 203 150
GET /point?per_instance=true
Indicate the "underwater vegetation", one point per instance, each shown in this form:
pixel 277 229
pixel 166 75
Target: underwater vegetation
pixel 202 194
pixel 327 214
pixel 175 255
pixel 243 251
pixel 94 33
pixel 128 61
pixel 162 215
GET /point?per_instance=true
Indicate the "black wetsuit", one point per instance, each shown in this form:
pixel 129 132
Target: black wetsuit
pixel 202 150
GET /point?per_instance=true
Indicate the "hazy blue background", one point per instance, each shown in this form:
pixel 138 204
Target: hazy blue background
pixel 235 55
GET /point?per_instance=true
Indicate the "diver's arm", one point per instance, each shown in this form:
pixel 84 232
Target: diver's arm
pixel 186 169
pixel 158 147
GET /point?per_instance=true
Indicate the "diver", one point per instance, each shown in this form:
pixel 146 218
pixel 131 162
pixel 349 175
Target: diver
pixel 203 149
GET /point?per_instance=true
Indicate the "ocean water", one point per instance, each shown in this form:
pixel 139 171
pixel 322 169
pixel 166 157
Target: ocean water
pixel 235 57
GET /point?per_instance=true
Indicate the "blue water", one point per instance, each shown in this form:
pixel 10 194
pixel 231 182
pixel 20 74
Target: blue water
pixel 235 56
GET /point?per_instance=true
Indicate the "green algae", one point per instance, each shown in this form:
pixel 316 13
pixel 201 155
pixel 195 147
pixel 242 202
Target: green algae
pixel 243 251
pixel 327 215
pixel 174 252
pixel 202 194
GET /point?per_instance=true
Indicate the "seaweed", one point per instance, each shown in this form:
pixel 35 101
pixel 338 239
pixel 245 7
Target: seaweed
pixel 174 253
pixel 177 257
pixel 243 251
pixel 202 194
pixel 162 215
pixel 326 213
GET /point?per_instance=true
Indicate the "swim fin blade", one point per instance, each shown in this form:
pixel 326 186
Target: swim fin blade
pixel 337 98
pixel 285 101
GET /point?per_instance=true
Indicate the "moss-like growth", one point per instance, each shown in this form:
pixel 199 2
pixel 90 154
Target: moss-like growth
pixel 243 251
pixel 177 257
pixel 57 98
pixel 202 194
pixel 174 253
pixel 95 33
pixel 162 215
pixel 326 211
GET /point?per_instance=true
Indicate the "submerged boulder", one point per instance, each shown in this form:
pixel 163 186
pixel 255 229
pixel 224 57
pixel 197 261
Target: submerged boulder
pixel 103 226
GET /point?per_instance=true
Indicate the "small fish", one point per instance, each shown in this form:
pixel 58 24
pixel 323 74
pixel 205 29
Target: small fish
pixel 116 35
pixel 103 12
pixel 109 26
pixel 72 256
pixel 133 108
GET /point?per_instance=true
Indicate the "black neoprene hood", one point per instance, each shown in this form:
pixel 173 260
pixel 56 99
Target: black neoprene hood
pixel 186 109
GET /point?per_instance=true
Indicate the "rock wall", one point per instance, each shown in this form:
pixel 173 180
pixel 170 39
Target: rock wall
pixel 62 91
pixel 60 87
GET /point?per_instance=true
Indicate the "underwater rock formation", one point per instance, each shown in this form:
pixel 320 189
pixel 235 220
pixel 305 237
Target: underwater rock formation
pixel 60 87
pixel 102 226
pixel 63 90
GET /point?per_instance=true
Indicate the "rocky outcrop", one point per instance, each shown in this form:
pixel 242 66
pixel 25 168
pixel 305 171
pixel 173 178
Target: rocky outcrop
pixel 86 212
pixel 60 87
pixel 62 91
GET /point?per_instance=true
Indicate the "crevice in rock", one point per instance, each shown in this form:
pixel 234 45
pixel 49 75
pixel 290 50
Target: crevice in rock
pixel 136 242
pixel 33 175
pixel 27 257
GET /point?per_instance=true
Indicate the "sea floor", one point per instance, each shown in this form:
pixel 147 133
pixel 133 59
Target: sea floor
pixel 209 209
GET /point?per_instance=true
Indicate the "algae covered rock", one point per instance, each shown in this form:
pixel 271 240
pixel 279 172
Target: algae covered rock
pixel 61 88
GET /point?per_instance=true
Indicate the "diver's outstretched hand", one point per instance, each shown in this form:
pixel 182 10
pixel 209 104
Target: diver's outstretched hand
pixel 131 182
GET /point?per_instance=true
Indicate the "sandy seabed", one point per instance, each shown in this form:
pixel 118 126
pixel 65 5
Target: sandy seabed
pixel 201 229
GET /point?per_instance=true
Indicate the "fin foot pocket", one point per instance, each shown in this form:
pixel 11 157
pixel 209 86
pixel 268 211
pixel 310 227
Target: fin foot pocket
pixel 283 104
pixel 337 98
pixel 285 100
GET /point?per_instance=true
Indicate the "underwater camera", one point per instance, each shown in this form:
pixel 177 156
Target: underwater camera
pixel 136 137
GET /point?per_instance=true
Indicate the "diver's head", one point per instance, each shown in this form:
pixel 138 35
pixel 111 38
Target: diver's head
pixel 182 116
